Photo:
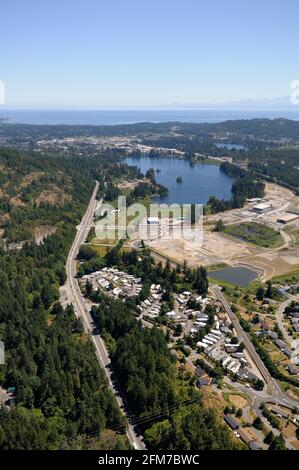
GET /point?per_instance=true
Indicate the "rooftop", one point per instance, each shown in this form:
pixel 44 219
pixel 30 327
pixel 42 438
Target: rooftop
pixel 231 422
pixel 262 206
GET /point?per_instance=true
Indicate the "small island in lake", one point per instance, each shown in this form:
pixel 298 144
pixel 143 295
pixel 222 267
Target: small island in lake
pixel 179 179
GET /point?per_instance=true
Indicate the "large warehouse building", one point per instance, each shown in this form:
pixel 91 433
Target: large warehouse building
pixel 262 208
pixel 287 218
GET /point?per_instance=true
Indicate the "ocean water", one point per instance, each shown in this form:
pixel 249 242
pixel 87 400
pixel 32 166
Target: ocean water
pixel 110 117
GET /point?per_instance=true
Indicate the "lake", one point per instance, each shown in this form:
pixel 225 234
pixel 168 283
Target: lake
pixel 199 180
pixel 240 276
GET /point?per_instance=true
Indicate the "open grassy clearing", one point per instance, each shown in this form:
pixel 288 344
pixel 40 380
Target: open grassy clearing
pixel 239 400
pixel 130 215
pixel 288 277
pixel 256 234
pixel 293 231
pixel 215 267
pixel 102 250
pixel 102 247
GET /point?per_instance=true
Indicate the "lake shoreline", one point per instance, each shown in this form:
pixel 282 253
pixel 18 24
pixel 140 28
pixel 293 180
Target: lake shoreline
pixel 200 180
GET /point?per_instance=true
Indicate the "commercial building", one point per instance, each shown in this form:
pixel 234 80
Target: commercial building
pixel 287 218
pixel 262 208
pixel 254 199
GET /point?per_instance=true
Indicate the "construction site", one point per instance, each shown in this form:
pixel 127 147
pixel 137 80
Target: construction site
pixel 278 210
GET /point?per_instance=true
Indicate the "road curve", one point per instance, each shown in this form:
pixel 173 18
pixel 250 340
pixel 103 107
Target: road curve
pixel 280 317
pixel 75 297
pixel 244 338
pixel 275 395
pixel 274 389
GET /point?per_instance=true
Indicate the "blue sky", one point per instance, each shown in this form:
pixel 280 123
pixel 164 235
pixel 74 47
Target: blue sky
pixel 146 52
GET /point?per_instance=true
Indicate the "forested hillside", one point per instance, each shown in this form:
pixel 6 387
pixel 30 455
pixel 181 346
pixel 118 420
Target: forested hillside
pixel 36 190
pixel 277 165
pixel 245 186
pixel 62 396
pixel 258 128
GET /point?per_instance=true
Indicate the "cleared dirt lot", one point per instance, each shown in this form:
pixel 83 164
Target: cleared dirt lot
pixel 218 248
pixel 280 199
pixel 277 263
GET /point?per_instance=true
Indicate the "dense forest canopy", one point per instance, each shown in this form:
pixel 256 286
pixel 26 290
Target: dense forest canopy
pixel 259 128
pixel 245 186
pixel 46 190
pixel 62 395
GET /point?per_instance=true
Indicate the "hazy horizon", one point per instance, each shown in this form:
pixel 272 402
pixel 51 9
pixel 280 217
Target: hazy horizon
pixel 260 104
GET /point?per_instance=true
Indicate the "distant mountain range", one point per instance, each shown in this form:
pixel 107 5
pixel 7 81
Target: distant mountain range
pixel 283 102
pixel 275 104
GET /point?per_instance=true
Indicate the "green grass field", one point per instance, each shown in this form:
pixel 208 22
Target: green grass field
pixel 256 234
pixel 101 249
pixel 290 277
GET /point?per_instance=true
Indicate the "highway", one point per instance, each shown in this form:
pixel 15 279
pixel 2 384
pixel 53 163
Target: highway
pixel 275 392
pixel 75 297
